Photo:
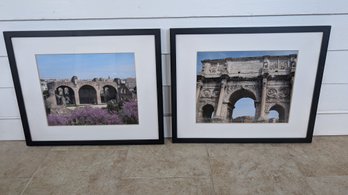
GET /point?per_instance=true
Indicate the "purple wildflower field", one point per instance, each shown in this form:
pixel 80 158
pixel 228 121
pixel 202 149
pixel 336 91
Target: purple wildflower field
pixel 128 114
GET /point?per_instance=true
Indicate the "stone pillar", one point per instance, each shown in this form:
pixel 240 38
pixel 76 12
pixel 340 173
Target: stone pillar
pixel 286 113
pixel 263 100
pixel 77 96
pixel 221 98
pixel 257 109
pixel 198 90
pixel 98 97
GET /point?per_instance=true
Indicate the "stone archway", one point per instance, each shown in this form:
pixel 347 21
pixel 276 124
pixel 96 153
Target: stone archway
pixel 65 95
pixel 281 112
pixel 108 93
pixel 207 112
pixel 266 79
pixel 88 95
pixel 237 95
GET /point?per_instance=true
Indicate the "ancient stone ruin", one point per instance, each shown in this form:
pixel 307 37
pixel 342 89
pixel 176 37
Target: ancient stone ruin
pixel 267 80
pixel 98 91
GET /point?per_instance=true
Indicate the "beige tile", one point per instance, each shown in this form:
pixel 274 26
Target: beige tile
pixel 170 160
pixel 326 156
pixel 259 169
pixel 97 147
pixel 168 186
pixel 335 185
pixel 153 186
pixel 74 184
pixel 18 160
pixel 12 186
pixel 77 171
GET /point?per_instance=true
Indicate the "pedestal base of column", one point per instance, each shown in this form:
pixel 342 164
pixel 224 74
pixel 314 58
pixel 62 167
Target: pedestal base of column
pixel 262 119
pixel 218 119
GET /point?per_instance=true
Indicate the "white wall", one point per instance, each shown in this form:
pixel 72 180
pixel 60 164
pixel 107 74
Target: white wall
pixel 332 116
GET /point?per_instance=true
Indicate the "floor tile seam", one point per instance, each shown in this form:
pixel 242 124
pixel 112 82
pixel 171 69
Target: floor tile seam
pixel 32 176
pixel 166 177
pixel 14 177
pixel 125 163
pixel 84 149
pixel 325 176
pixel 210 170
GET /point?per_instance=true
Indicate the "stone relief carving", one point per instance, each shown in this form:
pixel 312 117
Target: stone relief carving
pixel 231 88
pixel 210 93
pixel 278 93
pixel 206 93
pixel 222 68
pixel 283 64
pixel 284 92
pixel 273 65
pixel 272 93
pixel 213 69
pixel 250 87
pixel 215 93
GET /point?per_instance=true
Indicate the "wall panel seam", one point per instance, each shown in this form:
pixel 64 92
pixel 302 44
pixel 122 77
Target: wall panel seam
pixel 176 17
pixel 168 54
pixel 10 118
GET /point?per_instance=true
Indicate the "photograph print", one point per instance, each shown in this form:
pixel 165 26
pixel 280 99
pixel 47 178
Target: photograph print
pixel 88 89
pixel 244 86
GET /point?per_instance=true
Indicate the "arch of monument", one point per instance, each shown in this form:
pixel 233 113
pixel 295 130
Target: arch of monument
pixel 267 80
pixel 93 92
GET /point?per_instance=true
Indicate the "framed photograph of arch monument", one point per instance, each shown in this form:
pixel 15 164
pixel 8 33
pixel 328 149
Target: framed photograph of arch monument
pixel 246 85
pixel 89 86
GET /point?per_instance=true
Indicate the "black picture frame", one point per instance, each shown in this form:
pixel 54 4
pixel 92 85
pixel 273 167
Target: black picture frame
pixel 175 32
pixel 155 33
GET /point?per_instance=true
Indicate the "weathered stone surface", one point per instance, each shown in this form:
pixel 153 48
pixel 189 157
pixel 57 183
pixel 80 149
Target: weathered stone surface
pixel 265 79
pixel 61 93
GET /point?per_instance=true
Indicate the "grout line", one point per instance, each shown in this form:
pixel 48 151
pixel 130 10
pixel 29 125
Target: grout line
pixel 32 176
pixel 166 177
pixel 331 112
pixel 178 17
pixel 10 117
pixel 332 83
pixel 210 169
pixel 125 164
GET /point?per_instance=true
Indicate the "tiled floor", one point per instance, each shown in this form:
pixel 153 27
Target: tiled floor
pixel 317 168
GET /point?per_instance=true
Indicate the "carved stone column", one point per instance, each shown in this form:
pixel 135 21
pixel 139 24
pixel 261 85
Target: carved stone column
pixel 98 97
pixel 221 98
pixel 77 96
pixel 257 109
pixel 198 90
pixel 263 99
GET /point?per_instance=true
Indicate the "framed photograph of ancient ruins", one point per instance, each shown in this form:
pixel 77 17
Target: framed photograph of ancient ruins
pixel 88 87
pixel 246 85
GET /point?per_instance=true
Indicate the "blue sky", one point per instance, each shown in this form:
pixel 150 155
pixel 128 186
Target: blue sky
pixel 86 66
pixel 211 55
pixel 244 106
